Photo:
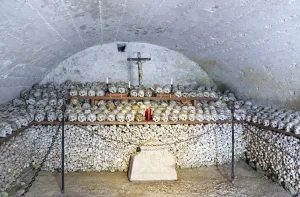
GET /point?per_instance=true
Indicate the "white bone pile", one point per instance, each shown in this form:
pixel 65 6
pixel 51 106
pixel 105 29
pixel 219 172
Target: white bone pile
pixel 15 157
pixel 277 154
pixel 99 89
pixel 277 118
pixel 101 148
pixel 124 111
pixel 44 102
pixel 98 148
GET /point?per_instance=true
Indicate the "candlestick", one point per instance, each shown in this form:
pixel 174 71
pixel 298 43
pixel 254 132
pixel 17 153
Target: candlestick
pixel 171 81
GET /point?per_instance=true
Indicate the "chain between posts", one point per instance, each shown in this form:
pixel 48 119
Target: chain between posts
pixel 141 144
pixel 41 164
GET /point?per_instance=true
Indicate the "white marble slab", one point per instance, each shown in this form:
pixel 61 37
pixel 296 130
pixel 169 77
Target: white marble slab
pixel 153 163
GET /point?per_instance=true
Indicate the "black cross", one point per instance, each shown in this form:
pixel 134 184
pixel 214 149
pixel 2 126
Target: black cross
pixel 139 60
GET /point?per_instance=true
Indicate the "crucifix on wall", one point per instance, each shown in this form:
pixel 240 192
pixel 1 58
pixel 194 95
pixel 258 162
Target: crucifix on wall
pixel 139 60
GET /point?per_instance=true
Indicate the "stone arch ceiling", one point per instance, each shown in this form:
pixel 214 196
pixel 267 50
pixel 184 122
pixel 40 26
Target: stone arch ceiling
pixel 251 46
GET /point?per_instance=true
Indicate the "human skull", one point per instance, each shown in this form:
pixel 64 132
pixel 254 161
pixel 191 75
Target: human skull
pixel 248 118
pixel 100 92
pixel 24 94
pixel 207 116
pixel 183 117
pixel 39 117
pixel 91 117
pixel 87 111
pixel 129 117
pixel 30 101
pixel 260 120
pixel 148 93
pixel 120 117
pixel 281 124
pixel 73 92
pixel 158 90
pixel 86 106
pixel 167 89
pixel 51 116
pixel 274 123
pixel 200 94
pixel 191 117
pixel 133 93
pixel 266 122
pixel 37 94
pixel 156 117
pixel 297 129
pixel 5 128
pixel 141 93
pixel 122 90
pixel 101 117
pixel 111 117
pixel 112 89
pixel 53 102
pixel 289 126
pixel 91 92
pixel 206 94
pixel 192 94
pixel 60 102
pixel 213 95
pixel 199 117
pixel 254 119
pixel 139 117
pixel 178 93
pixel 83 92
pixel 81 117
pixel 72 117
pixel 180 87
pixel 173 117
pixel 164 117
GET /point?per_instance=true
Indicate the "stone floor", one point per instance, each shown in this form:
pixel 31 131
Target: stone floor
pixel 205 181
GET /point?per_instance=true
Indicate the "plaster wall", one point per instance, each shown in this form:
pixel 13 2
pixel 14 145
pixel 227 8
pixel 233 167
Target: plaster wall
pixel 98 62
pixel 251 47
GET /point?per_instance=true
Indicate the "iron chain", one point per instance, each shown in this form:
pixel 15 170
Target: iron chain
pixel 149 145
pixel 41 164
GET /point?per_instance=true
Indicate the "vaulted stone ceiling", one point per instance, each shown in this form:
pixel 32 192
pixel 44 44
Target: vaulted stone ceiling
pixel 252 47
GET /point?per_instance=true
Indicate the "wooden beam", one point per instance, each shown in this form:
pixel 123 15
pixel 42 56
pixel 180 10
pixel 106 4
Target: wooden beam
pixel 145 98
pixel 134 123
pixel 14 133
pixel 17 132
pixel 272 129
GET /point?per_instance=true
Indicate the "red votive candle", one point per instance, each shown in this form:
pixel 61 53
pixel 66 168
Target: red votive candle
pixel 148 114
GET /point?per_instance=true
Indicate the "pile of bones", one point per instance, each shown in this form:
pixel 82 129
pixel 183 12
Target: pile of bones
pixel 44 103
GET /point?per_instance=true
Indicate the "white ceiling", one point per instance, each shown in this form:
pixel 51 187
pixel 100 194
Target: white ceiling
pixel 251 46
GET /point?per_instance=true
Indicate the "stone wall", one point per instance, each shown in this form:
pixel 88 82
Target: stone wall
pixel 108 148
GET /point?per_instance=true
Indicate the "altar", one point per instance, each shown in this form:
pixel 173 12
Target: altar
pixel 153 163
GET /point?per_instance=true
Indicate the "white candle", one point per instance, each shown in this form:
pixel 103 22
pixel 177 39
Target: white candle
pixel 171 81
pixel 106 80
pixel 129 84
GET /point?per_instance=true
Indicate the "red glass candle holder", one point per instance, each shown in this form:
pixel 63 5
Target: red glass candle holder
pixel 148 114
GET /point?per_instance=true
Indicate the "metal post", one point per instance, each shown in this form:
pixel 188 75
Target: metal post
pixel 232 141
pixel 63 153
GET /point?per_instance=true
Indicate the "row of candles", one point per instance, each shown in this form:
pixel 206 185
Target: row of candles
pixel 129 82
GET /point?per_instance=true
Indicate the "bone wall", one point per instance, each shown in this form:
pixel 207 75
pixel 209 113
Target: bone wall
pixel 108 148
pixel 98 62
pixel 278 155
